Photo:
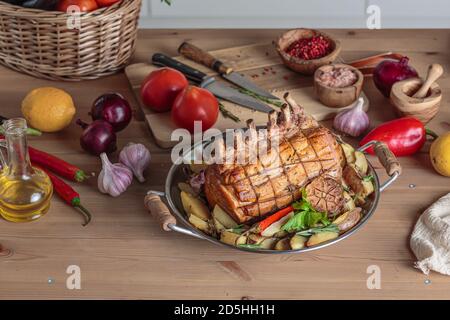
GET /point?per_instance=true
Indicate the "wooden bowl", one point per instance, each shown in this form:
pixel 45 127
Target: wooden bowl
pixel 405 105
pixel 307 67
pixel 338 97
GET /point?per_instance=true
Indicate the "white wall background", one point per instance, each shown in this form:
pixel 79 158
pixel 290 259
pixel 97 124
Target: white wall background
pixel 293 13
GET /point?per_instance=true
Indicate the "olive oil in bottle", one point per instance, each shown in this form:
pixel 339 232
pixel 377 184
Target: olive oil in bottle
pixel 25 191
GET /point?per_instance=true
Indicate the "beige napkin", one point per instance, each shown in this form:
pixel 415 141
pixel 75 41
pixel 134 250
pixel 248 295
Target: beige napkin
pixel 430 240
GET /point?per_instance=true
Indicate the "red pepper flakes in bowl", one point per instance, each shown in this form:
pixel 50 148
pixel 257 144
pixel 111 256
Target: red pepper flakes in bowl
pixel 310 48
pixel 305 50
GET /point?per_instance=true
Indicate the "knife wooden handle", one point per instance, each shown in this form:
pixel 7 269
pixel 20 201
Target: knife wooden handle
pixel 198 55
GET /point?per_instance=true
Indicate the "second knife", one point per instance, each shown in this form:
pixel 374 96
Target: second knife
pixel 198 55
pixel 210 83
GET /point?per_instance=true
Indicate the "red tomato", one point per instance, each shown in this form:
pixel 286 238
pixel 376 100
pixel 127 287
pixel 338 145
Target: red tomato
pixel 195 104
pixel 161 87
pixel 106 3
pixel 84 5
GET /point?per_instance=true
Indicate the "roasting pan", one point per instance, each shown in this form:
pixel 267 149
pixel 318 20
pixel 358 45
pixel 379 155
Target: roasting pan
pixel 167 215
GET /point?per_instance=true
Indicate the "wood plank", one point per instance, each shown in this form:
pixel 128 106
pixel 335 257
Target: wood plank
pixel 257 62
pixel 125 255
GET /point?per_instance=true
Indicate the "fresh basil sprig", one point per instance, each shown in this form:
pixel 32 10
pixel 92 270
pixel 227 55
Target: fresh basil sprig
pixel 305 216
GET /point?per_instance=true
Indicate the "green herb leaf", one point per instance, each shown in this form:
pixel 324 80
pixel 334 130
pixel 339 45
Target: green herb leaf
pixel 227 114
pixel 276 103
pixel 368 178
pixel 249 246
pixel 239 229
pixel 305 216
pixel 169 2
pixel 311 231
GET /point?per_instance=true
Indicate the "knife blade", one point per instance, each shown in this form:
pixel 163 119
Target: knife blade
pixel 210 83
pixel 198 55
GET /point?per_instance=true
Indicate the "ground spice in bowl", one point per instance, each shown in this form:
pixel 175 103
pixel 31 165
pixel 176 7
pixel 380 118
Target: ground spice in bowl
pixel 337 77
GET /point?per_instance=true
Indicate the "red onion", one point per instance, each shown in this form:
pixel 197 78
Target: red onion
pixel 389 72
pixel 98 137
pixel 113 108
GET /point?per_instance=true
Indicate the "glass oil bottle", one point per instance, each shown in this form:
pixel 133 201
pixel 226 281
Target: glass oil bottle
pixel 25 191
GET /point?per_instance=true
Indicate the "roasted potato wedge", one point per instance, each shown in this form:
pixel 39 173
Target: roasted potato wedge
pixel 254 238
pixel 229 237
pixel 280 234
pixel 348 219
pixel 275 227
pixel 297 242
pixel 194 206
pixel 349 152
pixel 197 168
pixel 283 244
pixel 200 224
pixel 361 163
pixel 268 243
pixel 321 237
pixel 353 178
pixel 349 202
pixel 183 186
pixel 224 218
pixel 242 239
pixel 218 226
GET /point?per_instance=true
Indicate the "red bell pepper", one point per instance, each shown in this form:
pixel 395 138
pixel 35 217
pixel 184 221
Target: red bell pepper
pixel 404 136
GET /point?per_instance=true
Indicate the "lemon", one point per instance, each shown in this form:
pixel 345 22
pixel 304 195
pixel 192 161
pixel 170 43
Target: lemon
pixel 440 154
pixel 48 109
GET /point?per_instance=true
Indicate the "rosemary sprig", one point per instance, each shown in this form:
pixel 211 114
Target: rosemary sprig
pixel 310 232
pixel 239 229
pixel 277 103
pixel 249 246
pixel 169 2
pixel 228 114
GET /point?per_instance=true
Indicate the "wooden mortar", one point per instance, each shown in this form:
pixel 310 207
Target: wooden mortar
pixel 417 98
pixel 338 97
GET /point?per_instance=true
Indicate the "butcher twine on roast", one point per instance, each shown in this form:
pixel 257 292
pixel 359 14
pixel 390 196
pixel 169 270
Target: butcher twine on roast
pixel 308 156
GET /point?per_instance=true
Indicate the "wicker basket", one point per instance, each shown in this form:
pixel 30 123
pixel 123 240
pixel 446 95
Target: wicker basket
pixel 39 42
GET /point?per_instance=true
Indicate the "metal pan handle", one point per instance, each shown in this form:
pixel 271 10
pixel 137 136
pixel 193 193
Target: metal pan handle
pixel 387 159
pixel 161 212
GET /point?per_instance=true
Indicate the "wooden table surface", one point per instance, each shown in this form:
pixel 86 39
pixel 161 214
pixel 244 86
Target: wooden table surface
pixel 123 253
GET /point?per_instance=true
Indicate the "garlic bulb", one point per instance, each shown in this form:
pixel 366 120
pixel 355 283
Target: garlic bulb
pixel 353 121
pixel 114 179
pixel 136 157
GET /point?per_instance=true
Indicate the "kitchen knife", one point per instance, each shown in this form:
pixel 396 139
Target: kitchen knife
pixel 198 55
pixel 210 84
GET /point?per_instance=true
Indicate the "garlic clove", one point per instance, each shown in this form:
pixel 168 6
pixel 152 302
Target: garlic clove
pixel 353 121
pixel 114 179
pixel 137 158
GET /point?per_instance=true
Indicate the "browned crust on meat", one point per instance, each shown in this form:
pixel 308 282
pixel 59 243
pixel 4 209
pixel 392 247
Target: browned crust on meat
pixel 255 190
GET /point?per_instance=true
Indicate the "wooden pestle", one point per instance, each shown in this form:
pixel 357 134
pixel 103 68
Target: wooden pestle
pixel 435 71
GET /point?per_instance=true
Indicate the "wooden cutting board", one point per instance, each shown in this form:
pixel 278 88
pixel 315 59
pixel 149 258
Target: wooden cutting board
pixel 261 64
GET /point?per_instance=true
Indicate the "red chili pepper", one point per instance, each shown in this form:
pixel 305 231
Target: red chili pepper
pixel 404 136
pixel 68 194
pixel 264 224
pixel 57 165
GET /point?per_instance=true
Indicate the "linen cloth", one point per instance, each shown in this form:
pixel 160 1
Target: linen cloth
pixel 430 240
